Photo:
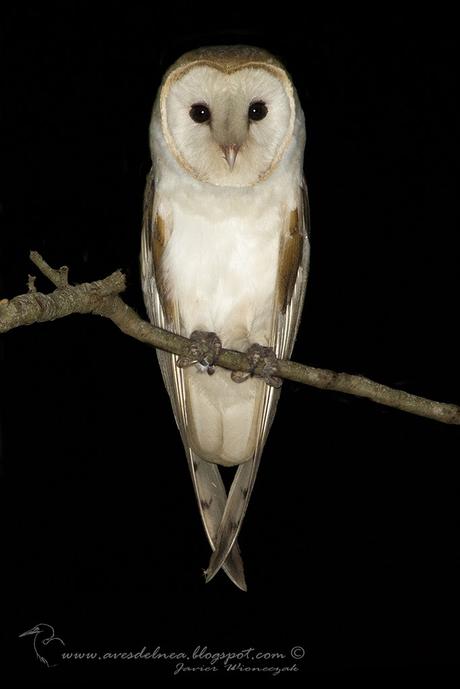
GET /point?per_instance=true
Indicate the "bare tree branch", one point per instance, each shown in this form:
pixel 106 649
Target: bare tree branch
pixel 101 298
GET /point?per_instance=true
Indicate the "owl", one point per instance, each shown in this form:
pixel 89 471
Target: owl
pixel 224 262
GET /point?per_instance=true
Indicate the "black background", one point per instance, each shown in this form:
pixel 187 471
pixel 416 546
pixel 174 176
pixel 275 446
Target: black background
pixel 351 539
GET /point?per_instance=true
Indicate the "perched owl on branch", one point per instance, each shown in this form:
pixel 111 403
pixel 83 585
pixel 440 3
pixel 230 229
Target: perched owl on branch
pixel 224 262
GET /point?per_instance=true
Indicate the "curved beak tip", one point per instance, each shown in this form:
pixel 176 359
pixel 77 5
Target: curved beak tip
pixel 230 152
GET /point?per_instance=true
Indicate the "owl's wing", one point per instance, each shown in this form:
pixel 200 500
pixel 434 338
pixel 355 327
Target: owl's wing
pixel 292 279
pixel 207 482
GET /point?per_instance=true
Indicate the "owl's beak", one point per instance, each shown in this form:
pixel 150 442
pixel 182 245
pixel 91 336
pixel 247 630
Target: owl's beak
pixel 230 152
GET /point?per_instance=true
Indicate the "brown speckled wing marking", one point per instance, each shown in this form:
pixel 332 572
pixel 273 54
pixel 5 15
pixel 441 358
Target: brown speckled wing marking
pixel 291 251
pixel 159 241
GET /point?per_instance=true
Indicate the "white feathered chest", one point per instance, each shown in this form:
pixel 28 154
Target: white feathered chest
pixel 221 262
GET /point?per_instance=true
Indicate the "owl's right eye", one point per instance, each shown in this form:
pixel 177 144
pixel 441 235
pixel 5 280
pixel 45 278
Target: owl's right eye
pixel 200 113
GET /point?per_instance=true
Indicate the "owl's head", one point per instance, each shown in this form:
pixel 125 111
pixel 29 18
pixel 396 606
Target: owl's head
pixel 226 114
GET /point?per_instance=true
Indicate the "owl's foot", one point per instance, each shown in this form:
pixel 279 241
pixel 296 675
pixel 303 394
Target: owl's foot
pixel 258 354
pixel 203 350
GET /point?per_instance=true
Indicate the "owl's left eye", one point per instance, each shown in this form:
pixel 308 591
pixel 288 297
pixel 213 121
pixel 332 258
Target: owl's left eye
pixel 200 113
pixel 257 111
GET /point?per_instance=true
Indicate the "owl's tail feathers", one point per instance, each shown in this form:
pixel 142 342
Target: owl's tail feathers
pixel 232 519
pixel 212 499
pixel 233 568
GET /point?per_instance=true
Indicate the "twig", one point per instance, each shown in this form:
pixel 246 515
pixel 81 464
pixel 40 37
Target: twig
pixel 57 277
pixel 35 307
pixel 101 298
pixel 31 283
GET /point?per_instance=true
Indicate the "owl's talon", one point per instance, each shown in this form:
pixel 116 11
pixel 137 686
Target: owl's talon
pixel 256 355
pixel 203 350
pixel 240 376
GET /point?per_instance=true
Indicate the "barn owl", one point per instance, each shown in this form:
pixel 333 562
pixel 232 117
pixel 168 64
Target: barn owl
pixel 224 262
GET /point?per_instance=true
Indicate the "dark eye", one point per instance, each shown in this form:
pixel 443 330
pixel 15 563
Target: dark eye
pixel 200 113
pixel 257 111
